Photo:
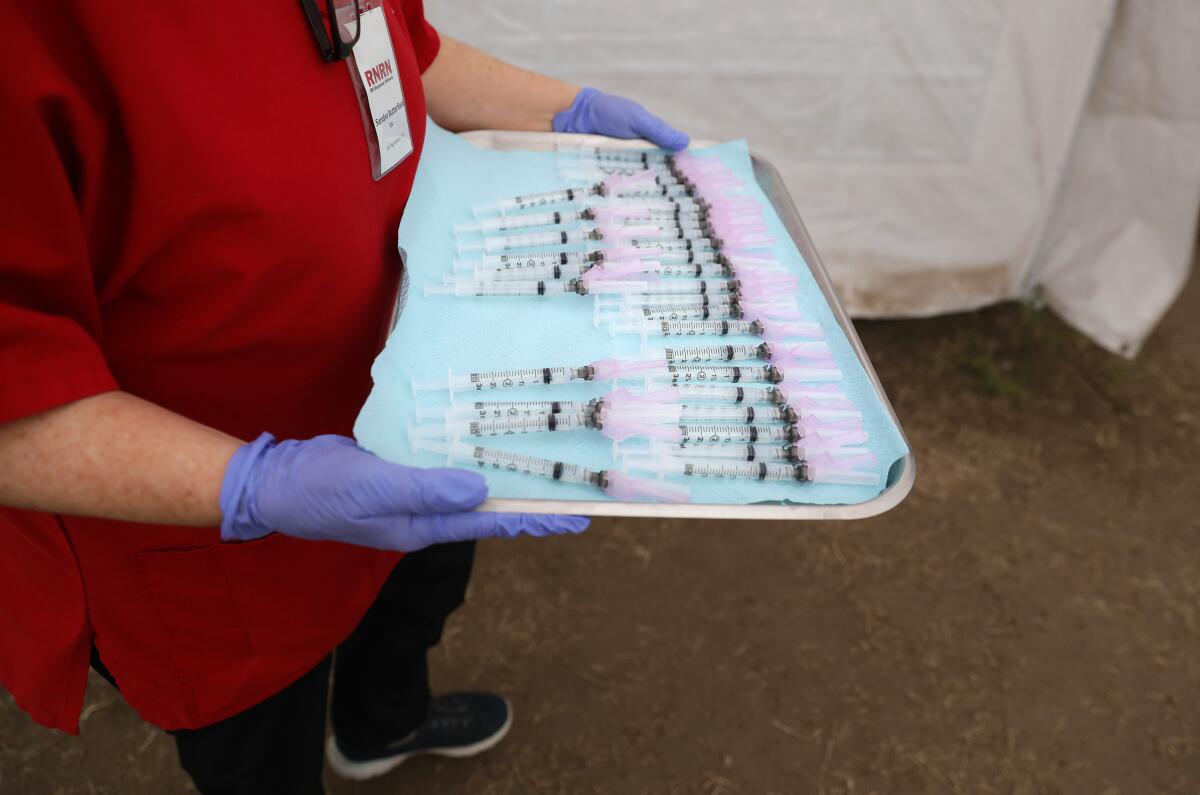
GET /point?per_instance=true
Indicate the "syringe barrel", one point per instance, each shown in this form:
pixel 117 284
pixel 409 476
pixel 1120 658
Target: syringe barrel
pixel 666 465
pixel 746 414
pixel 514 379
pixel 659 292
pixel 489 458
pixel 707 433
pixel 728 452
pixel 535 423
pixel 690 301
pixel 731 394
pixel 506 223
pixel 519 260
pixel 507 409
pixel 562 237
pixel 661 312
pixel 491 289
pixel 611 154
pixel 668 204
pixel 710 270
pixel 671 246
pixel 671 229
pixel 747 470
pixel 696 354
pixel 640 192
pixel 707 374
pixel 532 201
pixel 539 273
pixel 672 212
pixel 693 328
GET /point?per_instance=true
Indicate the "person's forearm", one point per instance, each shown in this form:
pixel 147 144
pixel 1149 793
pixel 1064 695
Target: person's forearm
pixel 115 456
pixel 466 89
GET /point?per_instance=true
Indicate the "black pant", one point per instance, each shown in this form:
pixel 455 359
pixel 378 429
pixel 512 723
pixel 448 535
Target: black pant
pixel 380 688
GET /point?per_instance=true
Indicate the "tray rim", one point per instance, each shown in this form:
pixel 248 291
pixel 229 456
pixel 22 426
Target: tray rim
pixel 902 475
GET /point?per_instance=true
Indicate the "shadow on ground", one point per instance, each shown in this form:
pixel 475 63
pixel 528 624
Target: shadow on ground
pixel 1028 621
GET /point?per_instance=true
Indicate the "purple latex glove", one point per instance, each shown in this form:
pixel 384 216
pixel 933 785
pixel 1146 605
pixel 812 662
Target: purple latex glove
pixel 596 112
pixel 330 489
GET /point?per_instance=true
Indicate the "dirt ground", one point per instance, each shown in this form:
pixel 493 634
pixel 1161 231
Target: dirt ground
pixel 1027 621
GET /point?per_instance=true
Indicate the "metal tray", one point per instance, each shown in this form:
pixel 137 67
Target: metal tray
pixel 902 474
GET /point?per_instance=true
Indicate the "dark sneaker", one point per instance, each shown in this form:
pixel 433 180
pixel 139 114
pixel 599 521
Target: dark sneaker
pixel 458 724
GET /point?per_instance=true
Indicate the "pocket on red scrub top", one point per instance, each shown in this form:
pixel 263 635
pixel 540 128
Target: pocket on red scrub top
pixel 244 619
pixel 201 629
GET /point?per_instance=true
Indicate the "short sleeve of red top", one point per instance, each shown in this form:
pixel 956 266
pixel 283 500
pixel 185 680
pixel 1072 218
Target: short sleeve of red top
pixel 187 213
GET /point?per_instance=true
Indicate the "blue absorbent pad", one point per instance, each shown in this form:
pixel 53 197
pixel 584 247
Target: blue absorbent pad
pixel 479 334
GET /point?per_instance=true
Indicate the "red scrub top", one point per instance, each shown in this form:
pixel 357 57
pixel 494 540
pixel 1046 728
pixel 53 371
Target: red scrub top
pixel 187 213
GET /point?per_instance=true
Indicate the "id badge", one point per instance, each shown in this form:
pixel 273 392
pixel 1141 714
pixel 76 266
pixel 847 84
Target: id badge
pixel 376 78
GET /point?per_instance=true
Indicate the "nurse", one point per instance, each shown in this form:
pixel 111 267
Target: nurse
pixel 197 267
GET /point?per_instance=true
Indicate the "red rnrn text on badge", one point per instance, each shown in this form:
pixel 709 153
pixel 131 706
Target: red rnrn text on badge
pixel 377 74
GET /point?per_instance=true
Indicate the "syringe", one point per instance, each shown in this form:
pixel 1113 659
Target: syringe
pixel 527 260
pixel 611 154
pixel 820 400
pixel 820 469
pixel 614 483
pixel 640 184
pixel 798 359
pixel 695 354
pixel 703 307
pixel 505 379
pixel 677 252
pixel 600 370
pixel 611 213
pixel 684 167
pixel 670 404
pixel 793 453
pixel 559 237
pixel 716 392
pixel 722 328
pixel 710 433
pixel 612 269
pixel 805 400
pixel 634 315
pixel 519 289
pixel 710 180
pixel 668 257
pixel 508 426
pixel 511 223
pixel 792 371
pixel 618 234
pixel 499 409
pixel 665 412
pixel 737 229
pixel 705 310
pixel 661 248
pixel 714 374
pixel 620 426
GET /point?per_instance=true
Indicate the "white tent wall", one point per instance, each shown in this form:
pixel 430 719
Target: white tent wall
pixel 945 154
pixel 1119 244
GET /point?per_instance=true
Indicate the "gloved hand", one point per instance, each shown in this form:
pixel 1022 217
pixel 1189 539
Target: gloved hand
pixel 596 112
pixel 330 489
